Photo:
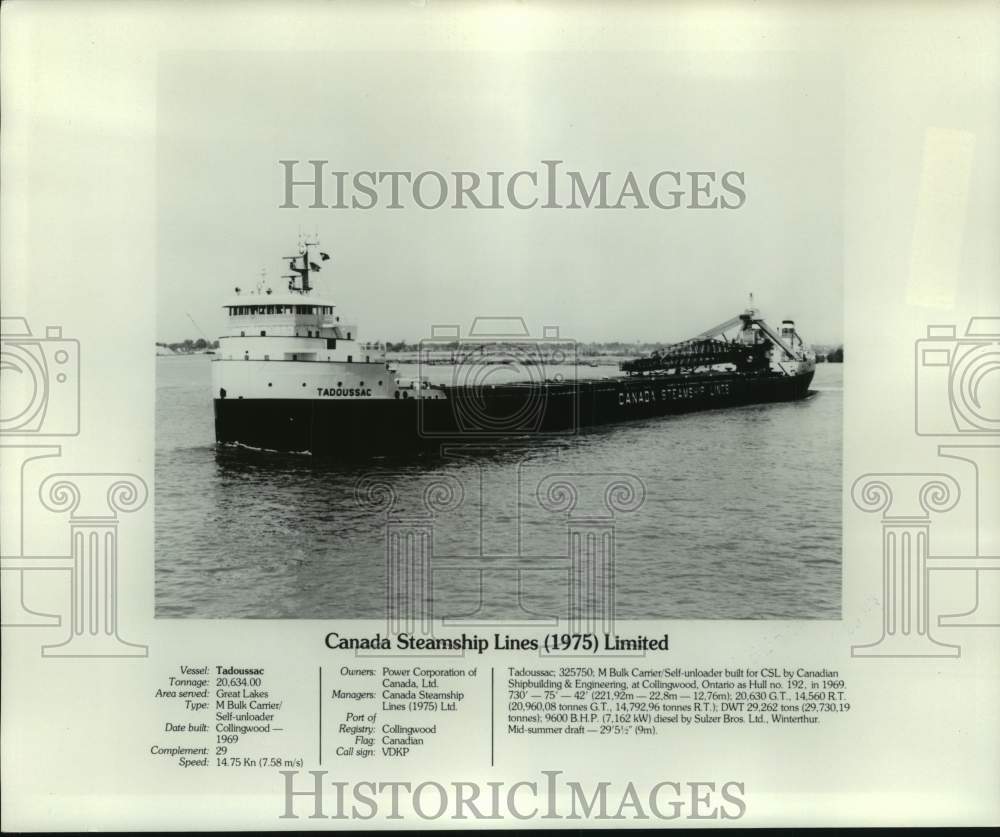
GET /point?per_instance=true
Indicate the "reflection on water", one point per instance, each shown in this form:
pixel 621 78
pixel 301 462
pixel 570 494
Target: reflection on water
pixel 741 517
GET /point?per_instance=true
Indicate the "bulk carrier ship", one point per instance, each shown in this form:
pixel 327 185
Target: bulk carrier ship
pixel 292 375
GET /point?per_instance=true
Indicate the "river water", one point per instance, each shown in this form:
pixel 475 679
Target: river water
pixel 727 514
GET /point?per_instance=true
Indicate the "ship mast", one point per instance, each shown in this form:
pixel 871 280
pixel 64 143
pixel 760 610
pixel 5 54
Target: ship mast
pixel 301 273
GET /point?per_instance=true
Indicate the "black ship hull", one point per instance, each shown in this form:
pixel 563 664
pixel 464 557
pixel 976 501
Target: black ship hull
pixel 349 428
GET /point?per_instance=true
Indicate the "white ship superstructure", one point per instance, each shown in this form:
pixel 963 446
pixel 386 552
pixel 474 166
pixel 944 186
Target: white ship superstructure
pixel 295 345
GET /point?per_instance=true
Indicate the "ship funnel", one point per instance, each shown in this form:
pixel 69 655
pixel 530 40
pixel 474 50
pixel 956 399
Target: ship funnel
pixel 789 336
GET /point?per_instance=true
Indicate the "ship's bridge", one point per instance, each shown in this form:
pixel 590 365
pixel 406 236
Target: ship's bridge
pixel 286 315
pixel 290 326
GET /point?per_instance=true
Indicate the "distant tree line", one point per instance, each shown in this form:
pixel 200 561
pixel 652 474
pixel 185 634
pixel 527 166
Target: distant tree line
pixel 615 348
pixel 586 349
pixel 824 354
pixel 189 346
pixel 832 356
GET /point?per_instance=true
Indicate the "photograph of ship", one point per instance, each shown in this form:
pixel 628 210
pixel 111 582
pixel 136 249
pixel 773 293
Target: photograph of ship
pixel 495 414
pixel 291 377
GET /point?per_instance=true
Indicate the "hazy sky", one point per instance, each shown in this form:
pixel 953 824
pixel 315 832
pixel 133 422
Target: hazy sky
pixel 226 118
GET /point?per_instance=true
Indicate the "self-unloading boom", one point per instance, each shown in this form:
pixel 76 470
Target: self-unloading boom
pixel 755 348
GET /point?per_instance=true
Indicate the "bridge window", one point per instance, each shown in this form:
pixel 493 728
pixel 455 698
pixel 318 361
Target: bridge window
pixel 348 335
pixel 331 342
pixel 350 358
pixel 263 333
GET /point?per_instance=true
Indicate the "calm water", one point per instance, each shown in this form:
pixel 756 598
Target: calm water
pixel 740 517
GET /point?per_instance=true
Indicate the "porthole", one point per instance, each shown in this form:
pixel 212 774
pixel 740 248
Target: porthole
pixel 270 384
pixel 380 383
pixel 303 383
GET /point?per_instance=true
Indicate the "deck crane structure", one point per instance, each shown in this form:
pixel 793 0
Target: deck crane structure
pixel 756 347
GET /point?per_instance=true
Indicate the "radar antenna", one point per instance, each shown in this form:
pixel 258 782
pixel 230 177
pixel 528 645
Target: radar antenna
pixel 301 265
